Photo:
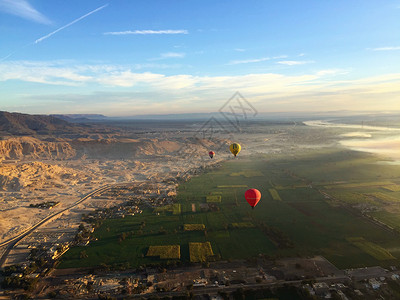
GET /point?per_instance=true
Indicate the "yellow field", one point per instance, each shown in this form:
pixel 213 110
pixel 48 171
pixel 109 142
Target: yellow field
pixel 200 251
pixel 384 197
pixel 274 194
pixel 165 252
pixel 193 227
pixel 247 173
pixel 243 225
pixel 370 248
pixel 213 199
pixel 392 188
pixel 176 209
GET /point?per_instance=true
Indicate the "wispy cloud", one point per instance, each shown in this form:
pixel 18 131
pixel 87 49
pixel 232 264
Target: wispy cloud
pixel 169 55
pixel 295 62
pixel 145 32
pixel 280 56
pixel 173 55
pixel 248 61
pixel 240 49
pixel 23 9
pixel 332 72
pixel 69 24
pixel 386 48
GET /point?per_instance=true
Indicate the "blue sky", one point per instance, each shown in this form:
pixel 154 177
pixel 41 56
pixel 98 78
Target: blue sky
pixel 155 57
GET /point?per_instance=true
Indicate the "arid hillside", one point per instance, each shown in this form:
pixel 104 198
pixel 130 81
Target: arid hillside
pixel 37 175
pixel 33 148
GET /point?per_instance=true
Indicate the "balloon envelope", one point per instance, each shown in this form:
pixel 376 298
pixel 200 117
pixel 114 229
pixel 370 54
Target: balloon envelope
pixel 252 196
pixel 235 148
pixel 211 153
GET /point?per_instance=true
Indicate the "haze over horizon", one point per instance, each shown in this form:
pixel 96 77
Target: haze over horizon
pixel 126 58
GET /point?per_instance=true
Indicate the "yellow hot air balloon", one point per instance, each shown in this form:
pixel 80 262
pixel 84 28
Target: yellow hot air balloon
pixel 235 148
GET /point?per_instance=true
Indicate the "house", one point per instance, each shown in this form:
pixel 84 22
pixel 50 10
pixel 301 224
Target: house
pixel 375 284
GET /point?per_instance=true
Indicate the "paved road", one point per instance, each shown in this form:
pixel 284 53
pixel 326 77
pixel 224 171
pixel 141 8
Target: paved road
pixel 10 243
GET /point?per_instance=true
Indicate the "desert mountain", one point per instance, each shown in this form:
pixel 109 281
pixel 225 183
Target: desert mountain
pixel 24 124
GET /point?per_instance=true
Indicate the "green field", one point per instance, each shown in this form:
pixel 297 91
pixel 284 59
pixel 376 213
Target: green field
pixel 247 173
pixel 173 208
pixel 372 249
pixel 213 199
pixel 303 223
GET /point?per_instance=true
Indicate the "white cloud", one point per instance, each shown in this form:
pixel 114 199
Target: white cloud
pixel 386 48
pixel 23 9
pixel 239 49
pixel 173 55
pixel 295 62
pixel 247 61
pixel 145 32
pixel 184 92
pixel 42 72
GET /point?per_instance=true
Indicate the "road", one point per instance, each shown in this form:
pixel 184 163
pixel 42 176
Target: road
pixel 222 288
pixel 10 243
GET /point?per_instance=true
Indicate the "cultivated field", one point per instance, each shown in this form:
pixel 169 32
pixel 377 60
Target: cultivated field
pixel 165 252
pixel 318 213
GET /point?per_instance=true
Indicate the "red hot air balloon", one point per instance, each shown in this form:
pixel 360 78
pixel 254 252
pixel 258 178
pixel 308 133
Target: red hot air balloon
pixel 252 196
pixel 211 153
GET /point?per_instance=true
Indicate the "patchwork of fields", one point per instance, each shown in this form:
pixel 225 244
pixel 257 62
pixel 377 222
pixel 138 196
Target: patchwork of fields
pixel 304 211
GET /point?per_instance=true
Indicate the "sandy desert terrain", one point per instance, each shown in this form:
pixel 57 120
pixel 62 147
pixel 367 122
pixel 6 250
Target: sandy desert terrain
pixel 46 168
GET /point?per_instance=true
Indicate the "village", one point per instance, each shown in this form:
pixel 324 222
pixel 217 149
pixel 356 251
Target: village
pixel 312 278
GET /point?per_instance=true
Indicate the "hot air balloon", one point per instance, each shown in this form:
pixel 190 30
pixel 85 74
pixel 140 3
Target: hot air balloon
pixel 235 148
pixel 252 196
pixel 211 153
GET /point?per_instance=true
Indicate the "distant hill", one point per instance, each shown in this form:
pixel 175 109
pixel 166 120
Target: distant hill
pixel 80 118
pixel 24 124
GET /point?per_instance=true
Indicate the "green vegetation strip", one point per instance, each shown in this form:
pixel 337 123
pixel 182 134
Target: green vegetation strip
pixel 231 186
pixel 247 173
pixel 243 225
pixel 358 184
pixel 370 248
pixel 213 199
